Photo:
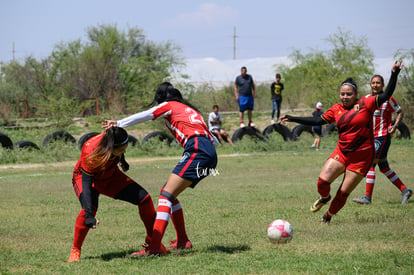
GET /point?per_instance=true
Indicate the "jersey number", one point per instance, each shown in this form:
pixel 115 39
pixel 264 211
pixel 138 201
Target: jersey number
pixel 194 117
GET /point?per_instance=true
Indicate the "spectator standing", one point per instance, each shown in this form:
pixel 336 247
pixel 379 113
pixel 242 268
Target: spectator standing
pixel 245 92
pixel 276 92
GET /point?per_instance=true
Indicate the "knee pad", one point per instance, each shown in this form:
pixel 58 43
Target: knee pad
pixel 167 195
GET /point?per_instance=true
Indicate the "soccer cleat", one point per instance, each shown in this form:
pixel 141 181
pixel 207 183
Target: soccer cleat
pixel 175 245
pixel 325 219
pixel 74 255
pixel 406 195
pixel 251 124
pixel 365 199
pixel 242 125
pixel 147 252
pixel 317 205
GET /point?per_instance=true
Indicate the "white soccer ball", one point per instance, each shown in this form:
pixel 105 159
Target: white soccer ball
pixel 279 231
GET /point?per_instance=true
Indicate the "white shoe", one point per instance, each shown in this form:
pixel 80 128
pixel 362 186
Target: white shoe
pixel 251 124
pixel 273 121
pixel 242 125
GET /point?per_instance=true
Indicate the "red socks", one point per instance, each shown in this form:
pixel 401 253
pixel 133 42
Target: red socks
pixel 178 220
pixel 337 203
pixel 81 230
pixel 324 188
pixel 370 181
pixel 393 177
pixel 161 222
pixel 147 214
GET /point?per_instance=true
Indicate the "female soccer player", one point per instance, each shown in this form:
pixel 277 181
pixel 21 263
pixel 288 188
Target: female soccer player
pixel 354 154
pixel 97 172
pixel 383 128
pixel 198 161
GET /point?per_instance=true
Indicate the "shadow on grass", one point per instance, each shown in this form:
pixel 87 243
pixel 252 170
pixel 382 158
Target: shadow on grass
pixel 229 249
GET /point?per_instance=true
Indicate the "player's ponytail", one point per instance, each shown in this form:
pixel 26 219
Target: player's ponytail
pixel 114 137
pixel 167 92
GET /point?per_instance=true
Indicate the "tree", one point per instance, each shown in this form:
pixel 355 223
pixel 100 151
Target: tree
pixel 316 76
pixel 405 88
pixel 120 68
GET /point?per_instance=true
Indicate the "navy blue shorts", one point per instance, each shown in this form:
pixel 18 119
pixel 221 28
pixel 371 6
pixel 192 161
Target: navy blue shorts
pixel 246 103
pixel 382 144
pixel 198 161
pixel 317 130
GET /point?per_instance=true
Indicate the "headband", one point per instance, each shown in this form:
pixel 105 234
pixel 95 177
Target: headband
pixel 121 143
pixel 350 84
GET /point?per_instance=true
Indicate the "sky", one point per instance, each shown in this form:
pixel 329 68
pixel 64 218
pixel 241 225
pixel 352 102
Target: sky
pixel 203 28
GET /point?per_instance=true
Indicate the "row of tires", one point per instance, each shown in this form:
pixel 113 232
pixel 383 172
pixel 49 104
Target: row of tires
pixel 285 132
pixel 64 136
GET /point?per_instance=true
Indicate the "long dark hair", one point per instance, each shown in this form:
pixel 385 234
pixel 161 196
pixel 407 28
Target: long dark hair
pixel 113 137
pixel 167 92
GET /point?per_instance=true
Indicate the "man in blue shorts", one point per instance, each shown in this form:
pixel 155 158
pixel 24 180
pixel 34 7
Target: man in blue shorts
pixel 245 92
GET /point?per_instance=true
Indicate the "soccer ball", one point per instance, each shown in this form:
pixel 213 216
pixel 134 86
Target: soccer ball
pixel 279 231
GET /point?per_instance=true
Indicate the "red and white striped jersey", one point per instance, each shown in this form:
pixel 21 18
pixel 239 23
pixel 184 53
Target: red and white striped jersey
pixel 183 121
pixel 382 119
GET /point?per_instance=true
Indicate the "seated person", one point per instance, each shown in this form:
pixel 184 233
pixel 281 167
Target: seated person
pixel 214 123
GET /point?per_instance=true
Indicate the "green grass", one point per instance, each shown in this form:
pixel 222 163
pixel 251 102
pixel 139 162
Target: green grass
pixel 226 216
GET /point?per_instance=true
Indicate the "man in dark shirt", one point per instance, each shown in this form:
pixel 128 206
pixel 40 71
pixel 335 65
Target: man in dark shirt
pixel 245 92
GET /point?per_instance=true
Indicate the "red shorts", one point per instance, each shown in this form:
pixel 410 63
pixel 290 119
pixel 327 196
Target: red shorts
pixel 109 187
pixel 358 162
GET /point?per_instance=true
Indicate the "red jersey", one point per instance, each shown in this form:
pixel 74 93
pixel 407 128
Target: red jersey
pixel 383 117
pixel 183 121
pixel 354 125
pixel 87 149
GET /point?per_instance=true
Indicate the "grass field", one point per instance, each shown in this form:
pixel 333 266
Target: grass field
pixel 226 216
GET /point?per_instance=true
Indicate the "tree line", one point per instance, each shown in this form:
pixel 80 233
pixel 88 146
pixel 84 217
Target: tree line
pixel 122 69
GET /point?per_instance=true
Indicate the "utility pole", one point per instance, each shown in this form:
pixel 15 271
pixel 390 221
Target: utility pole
pixel 234 42
pixel 13 51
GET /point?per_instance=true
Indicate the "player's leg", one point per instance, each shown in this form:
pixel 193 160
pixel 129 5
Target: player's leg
pixel 137 195
pixel 395 180
pixel 81 230
pixel 174 186
pixel 350 181
pixel 330 171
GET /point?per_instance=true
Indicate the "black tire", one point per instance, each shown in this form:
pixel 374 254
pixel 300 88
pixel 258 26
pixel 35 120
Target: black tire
pixel 281 129
pixel 250 131
pixel 160 135
pixel 299 129
pixel 6 142
pixel 58 135
pixel 26 145
pixel 403 129
pixel 132 140
pixel 85 138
